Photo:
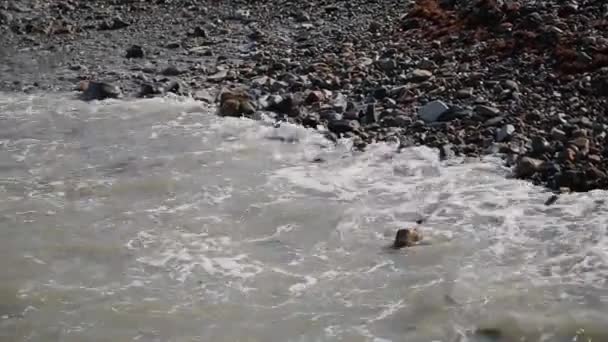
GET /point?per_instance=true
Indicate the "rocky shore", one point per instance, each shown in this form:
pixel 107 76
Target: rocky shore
pixel 525 79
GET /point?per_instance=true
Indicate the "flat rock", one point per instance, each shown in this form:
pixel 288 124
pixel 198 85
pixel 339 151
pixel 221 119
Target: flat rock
pixel 431 111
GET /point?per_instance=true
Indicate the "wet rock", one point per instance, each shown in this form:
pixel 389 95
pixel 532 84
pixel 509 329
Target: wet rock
pixel 177 87
pixel 540 145
pixel 235 103
pixel 149 90
pixel 371 116
pixel 446 152
pixel 432 111
pixel 551 200
pixel 407 237
pixel 527 167
pixel 311 120
pixel 505 133
pixel 93 90
pixel 135 51
pixel 285 105
pixel 343 126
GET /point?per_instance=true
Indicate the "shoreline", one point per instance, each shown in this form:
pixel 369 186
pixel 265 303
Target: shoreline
pixel 528 81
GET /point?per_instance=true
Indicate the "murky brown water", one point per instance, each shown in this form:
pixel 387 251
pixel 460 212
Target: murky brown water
pixel 155 220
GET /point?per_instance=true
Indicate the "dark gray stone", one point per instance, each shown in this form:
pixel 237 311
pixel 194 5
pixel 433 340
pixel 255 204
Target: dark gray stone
pixel 100 91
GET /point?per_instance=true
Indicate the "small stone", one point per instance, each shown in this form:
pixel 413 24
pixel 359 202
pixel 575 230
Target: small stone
pixel 302 17
pixel 315 96
pixel 114 24
pixel 375 26
pixel 419 75
pixel 505 133
pixel 464 93
pixel 558 134
pixel 407 237
pixel 93 90
pixel 527 167
pixel 387 64
pixel 487 111
pixel 135 51
pixel 380 93
pixel 511 85
pixel 172 71
pixel 432 111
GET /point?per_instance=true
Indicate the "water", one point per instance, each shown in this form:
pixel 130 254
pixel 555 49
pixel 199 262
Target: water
pixel 155 220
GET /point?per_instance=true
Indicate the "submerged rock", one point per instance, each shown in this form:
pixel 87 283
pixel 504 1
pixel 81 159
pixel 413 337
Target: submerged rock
pixel 407 237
